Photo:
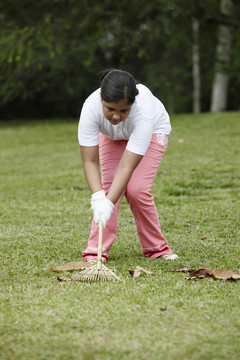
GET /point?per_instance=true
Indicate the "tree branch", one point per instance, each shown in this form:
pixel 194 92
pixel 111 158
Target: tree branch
pixel 224 20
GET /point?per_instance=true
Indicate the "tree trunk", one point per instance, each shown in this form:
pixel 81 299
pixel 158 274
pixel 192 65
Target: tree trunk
pixel 221 77
pixel 196 74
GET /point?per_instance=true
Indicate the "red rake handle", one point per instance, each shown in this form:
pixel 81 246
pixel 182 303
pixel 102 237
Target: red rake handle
pixel 100 236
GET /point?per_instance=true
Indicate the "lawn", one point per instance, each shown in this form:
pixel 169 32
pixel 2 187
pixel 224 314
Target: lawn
pixel 45 221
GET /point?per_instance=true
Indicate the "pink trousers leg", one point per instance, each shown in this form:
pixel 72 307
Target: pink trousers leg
pixel 138 194
pixel 110 153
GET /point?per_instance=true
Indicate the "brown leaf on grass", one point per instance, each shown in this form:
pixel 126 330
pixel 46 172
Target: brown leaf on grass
pixel 138 270
pixel 63 279
pixel 220 274
pixel 198 274
pixel 73 266
pixel 223 274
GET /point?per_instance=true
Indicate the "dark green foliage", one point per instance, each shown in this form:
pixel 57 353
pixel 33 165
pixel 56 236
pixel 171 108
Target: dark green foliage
pixel 52 51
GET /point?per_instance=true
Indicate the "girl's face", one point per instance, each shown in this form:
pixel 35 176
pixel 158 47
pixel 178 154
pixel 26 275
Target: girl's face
pixel 116 112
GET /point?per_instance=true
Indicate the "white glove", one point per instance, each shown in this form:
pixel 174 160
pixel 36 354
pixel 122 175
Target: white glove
pixel 103 211
pixel 96 199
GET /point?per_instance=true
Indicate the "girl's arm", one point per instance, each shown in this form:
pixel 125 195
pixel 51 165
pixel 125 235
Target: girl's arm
pixel 128 163
pixel 90 158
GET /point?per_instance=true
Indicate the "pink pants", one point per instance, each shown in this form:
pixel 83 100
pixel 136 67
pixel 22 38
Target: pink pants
pixel 138 194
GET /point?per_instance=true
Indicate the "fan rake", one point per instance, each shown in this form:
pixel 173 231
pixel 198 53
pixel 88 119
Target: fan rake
pixel 98 272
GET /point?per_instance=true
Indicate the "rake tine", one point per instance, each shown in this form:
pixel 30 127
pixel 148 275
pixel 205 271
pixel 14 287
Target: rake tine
pixel 98 272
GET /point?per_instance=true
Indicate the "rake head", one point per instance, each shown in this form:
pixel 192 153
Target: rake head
pixel 94 274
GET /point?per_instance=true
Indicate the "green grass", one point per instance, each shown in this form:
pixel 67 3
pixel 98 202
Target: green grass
pixel 45 221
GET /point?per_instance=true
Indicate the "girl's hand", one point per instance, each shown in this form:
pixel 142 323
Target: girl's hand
pixel 103 211
pixel 96 199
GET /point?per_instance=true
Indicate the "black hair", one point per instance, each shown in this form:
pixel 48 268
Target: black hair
pixel 117 85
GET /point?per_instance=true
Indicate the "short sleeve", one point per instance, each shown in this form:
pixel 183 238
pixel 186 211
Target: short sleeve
pixel 88 128
pixel 141 136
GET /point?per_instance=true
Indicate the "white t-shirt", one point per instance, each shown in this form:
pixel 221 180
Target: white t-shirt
pixel 147 116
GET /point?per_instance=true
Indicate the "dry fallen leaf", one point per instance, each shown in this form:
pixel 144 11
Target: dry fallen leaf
pixel 138 270
pixel 223 274
pixel 63 279
pixel 134 273
pixel 137 307
pixel 73 266
pixel 220 274
pixel 198 274
pixel 163 309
